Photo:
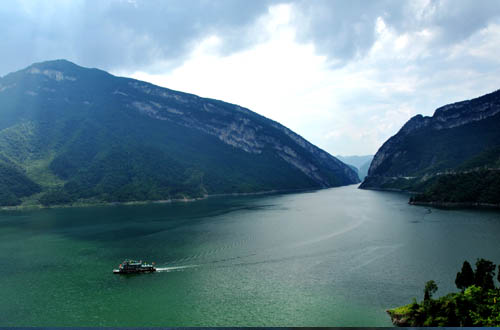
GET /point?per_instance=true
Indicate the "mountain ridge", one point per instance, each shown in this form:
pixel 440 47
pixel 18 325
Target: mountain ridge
pixel 87 134
pixel 446 149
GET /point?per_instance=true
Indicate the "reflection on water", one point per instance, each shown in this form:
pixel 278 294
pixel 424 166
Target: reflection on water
pixel 336 257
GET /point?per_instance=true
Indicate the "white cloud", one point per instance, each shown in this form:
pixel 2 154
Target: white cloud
pixel 344 74
pixel 348 109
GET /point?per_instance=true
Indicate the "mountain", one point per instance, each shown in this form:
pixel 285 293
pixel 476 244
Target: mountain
pixel 354 169
pixel 457 148
pixel 361 163
pixel 72 134
pixel 363 169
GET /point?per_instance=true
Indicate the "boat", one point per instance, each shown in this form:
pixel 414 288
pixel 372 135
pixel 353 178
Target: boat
pixel 134 267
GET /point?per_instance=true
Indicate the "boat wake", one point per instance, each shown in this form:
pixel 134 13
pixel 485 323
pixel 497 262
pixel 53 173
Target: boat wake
pixel 174 268
pixel 208 263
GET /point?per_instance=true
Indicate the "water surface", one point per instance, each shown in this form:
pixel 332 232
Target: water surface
pixel 336 257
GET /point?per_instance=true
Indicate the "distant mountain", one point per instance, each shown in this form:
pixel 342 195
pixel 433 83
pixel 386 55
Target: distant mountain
pixel 71 134
pixel 361 163
pixel 363 169
pixel 448 150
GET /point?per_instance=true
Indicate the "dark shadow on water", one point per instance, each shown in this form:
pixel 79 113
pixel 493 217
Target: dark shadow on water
pixel 122 222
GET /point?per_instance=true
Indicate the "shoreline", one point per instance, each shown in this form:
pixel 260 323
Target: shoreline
pixel 464 205
pixel 441 205
pixel 161 201
pixel 389 190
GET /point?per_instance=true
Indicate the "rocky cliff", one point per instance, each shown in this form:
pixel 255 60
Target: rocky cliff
pixel 459 137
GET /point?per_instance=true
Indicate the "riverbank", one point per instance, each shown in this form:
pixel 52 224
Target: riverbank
pixel 414 200
pixel 390 190
pixel 90 203
pixel 468 189
pixel 449 205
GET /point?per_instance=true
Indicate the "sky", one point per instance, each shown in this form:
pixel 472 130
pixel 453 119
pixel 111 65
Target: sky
pixel 345 75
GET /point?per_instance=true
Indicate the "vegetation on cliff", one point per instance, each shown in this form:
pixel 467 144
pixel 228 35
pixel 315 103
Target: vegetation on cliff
pixel 477 304
pixel 480 187
pixel 14 185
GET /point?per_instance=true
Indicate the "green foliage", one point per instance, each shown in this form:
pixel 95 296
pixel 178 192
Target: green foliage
pixel 55 197
pixel 469 188
pixel 489 158
pixel 476 305
pixel 8 199
pixel 430 289
pixel 465 277
pixel 14 184
pixel 484 274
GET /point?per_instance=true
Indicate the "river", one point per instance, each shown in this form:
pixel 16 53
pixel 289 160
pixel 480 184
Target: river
pixel 334 257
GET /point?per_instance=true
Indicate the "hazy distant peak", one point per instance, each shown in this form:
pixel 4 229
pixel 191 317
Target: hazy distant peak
pixel 356 160
pixel 60 64
pixel 60 70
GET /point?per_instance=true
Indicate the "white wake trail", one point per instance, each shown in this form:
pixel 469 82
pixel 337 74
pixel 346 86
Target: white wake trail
pixel 174 268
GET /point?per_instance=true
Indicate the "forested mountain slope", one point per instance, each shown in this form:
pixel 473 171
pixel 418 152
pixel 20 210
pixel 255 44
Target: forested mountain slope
pixel 69 133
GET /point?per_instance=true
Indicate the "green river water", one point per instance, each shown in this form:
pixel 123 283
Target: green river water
pixel 335 257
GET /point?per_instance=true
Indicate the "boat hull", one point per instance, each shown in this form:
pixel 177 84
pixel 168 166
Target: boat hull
pixel 135 271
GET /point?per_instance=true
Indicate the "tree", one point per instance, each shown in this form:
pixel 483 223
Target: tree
pixel 430 289
pixel 485 272
pixel 465 278
pixel 498 276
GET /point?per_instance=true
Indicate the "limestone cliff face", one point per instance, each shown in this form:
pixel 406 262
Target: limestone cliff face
pixel 86 130
pixel 242 129
pixel 455 134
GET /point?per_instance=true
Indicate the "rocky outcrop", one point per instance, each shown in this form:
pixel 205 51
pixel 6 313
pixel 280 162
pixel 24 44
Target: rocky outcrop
pixel 399 320
pixel 447 141
pixel 242 129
